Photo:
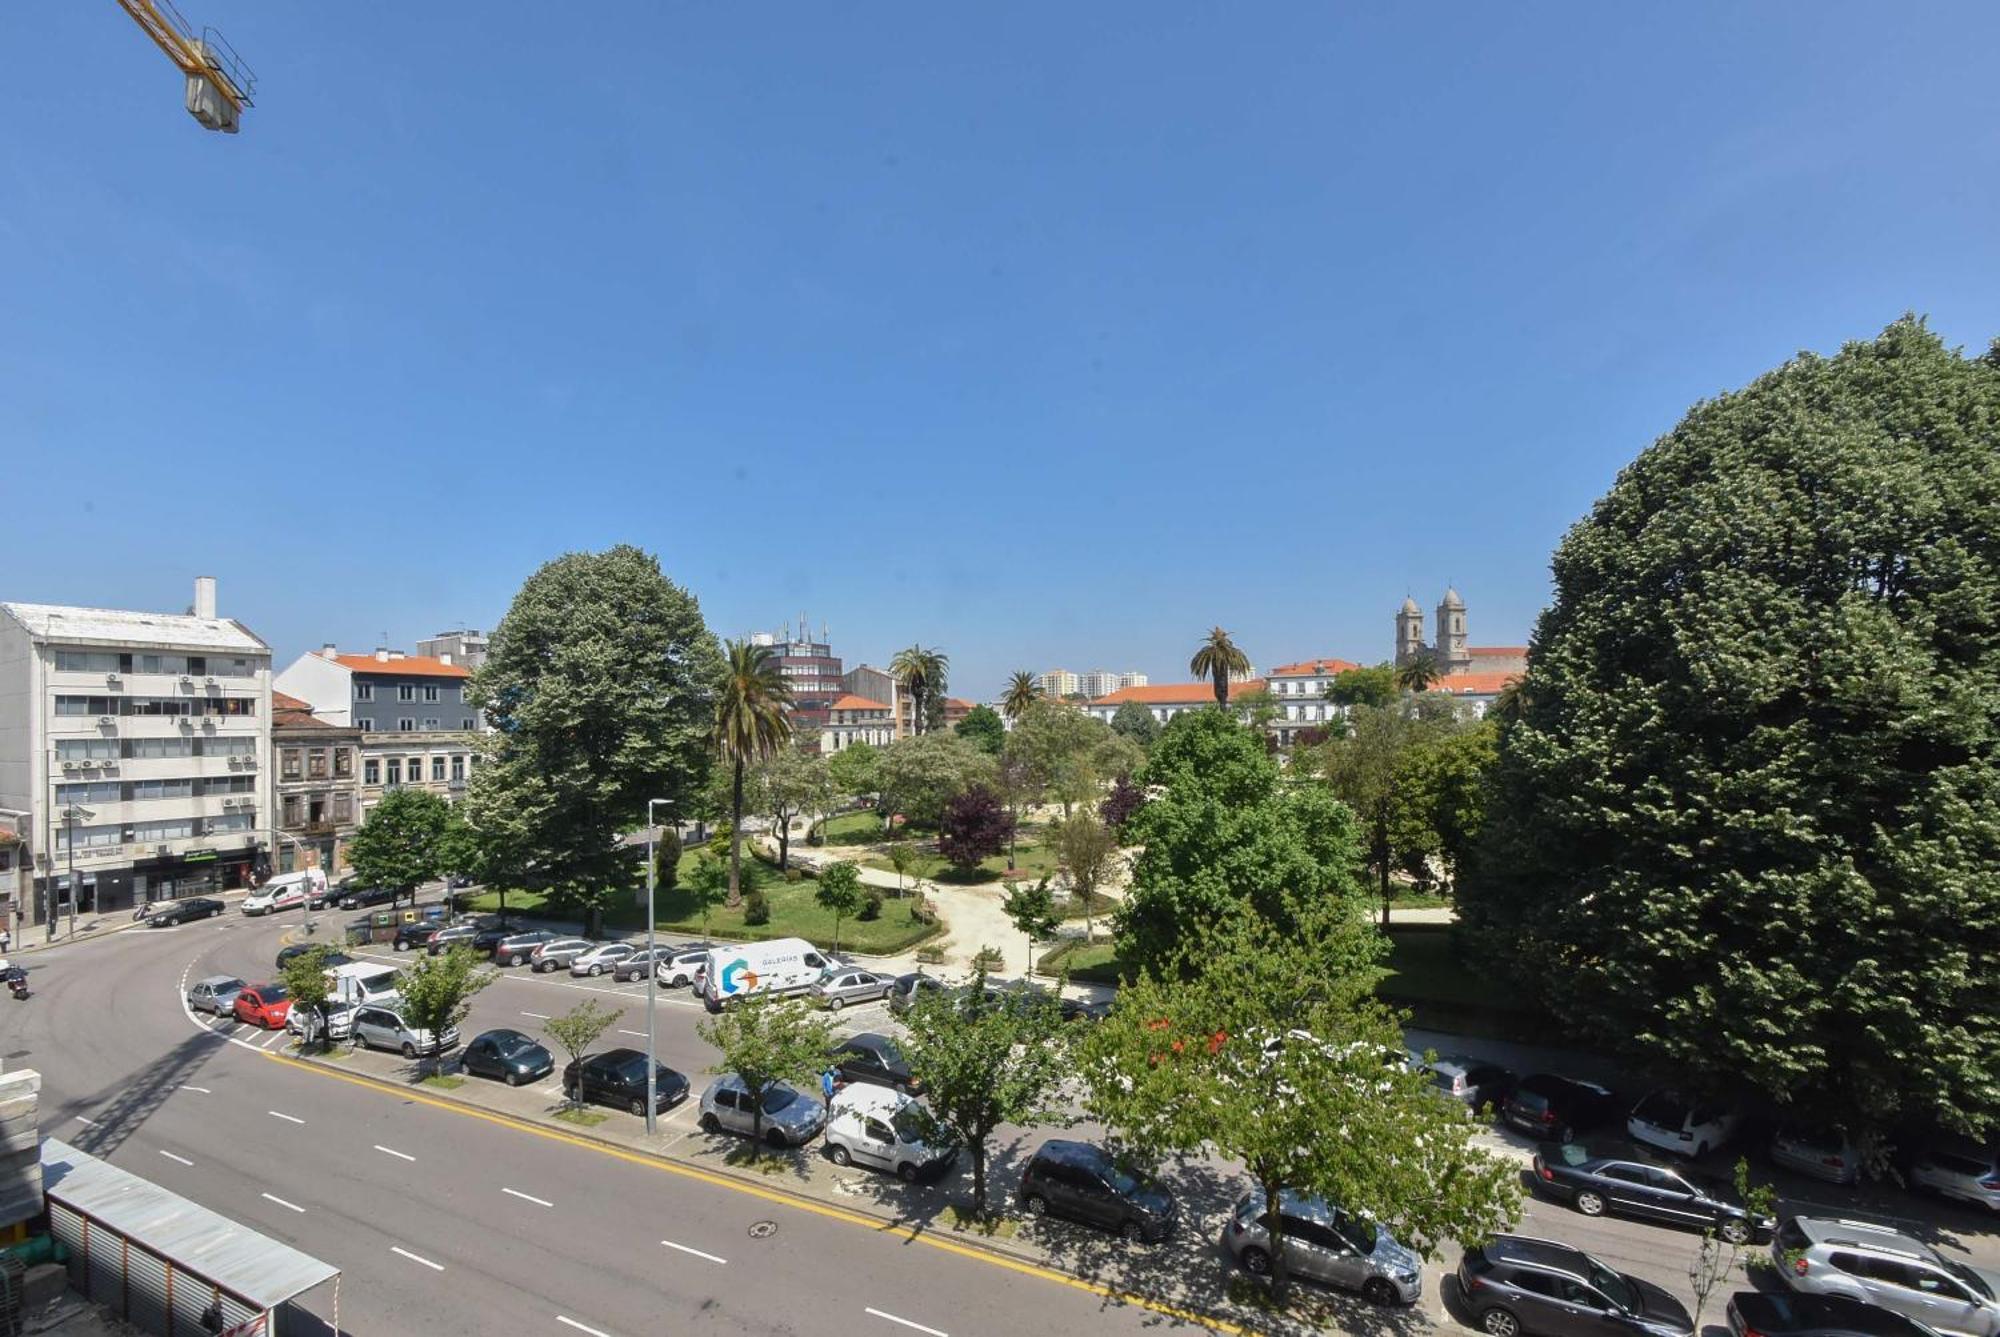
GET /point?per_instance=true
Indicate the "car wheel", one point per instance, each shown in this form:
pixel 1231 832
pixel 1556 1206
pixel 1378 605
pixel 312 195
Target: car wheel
pixel 834 1004
pixel 402 946
pixel 595 971
pixel 514 1079
pixel 1499 1323
pixel 838 1155
pixel 775 1139
pixel 1132 1233
pixel 409 1050
pixel 516 959
pixel 907 1173
pixel 1255 1261
pixel 1735 1231
pixel 1036 1204
pixel 710 1124
pixel 1590 1203
pixel 637 1106
pixel 1377 1291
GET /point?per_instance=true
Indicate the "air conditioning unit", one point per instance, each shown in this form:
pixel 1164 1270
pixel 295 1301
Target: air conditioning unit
pixel 187 680
pixel 69 765
pixel 249 763
pixel 208 682
pixel 107 720
pixel 112 680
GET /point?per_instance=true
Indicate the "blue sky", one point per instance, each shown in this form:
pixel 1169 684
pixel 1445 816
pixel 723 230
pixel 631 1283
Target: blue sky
pixel 1045 334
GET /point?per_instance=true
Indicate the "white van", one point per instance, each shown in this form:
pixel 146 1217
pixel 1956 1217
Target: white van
pixel 363 983
pixel 287 891
pixel 783 965
pixel 885 1130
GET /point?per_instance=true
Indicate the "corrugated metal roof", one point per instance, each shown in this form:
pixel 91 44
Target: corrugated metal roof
pixel 54 622
pixel 254 1267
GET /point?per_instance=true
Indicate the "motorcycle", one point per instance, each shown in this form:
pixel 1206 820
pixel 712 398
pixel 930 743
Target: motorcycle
pixel 17 982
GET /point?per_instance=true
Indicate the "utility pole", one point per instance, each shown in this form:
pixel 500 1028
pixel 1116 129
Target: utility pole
pixel 652 966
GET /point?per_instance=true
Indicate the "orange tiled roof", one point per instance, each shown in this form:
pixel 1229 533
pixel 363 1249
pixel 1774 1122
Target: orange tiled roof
pixel 1473 684
pixel 1314 668
pixel 414 666
pixel 1176 693
pixel 280 701
pixel 955 704
pixel 852 702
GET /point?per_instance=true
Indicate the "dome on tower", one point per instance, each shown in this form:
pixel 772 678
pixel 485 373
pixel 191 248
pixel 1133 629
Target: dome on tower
pixel 1410 605
pixel 1451 599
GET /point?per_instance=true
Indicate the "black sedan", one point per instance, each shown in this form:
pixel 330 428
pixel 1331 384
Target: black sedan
pixel 508 1056
pixel 361 897
pixel 1595 1185
pixel 180 912
pixel 874 1059
pixel 333 957
pixel 1801 1314
pixel 617 1077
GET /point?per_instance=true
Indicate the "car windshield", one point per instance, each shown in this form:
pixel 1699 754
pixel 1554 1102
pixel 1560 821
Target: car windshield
pixel 272 993
pixel 1361 1234
pixel 1126 1182
pixel 1972 1279
pixel 1663 1110
pixel 1531 1100
pixel 1621 1292
pixel 910 1124
pixel 225 986
pixel 890 1054
pixel 779 1097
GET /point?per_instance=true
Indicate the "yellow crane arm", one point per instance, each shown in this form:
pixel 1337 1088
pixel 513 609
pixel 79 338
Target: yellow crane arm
pixel 196 57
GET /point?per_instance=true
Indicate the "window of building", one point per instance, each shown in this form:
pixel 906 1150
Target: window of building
pixel 458 768
pixel 430 692
pixel 406 691
pixel 228 747
pixel 86 705
pixel 395 765
pixel 152 749
pixel 367 726
pixel 316 764
pixel 223 666
pixel 231 821
pixel 291 809
pixel 431 724
pixel 364 691
pixel 343 809
pixel 147 790
pixel 100 791
pixel 88 837
pixel 87 749
pixel 371 772
pixel 416 770
pixel 343 763
pixel 159 705
pixel 406 725
pixel 175 828
pixel 231 705
pixel 86 661
pixel 437 768
pixel 162 664
pixel 291 763
pixel 466 724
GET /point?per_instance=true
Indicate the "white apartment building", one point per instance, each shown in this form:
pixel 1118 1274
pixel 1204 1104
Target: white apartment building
pixel 1299 693
pixel 418 729
pixel 135 743
pixel 1059 682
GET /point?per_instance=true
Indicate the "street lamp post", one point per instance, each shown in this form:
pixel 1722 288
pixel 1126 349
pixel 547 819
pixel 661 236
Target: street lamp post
pixel 652 967
pixel 70 814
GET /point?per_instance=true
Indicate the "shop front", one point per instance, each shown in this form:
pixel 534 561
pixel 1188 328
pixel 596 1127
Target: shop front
pixel 193 873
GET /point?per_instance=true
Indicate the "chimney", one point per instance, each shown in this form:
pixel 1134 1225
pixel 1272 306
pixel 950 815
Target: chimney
pixel 327 651
pixel 204 596
pixel 381 655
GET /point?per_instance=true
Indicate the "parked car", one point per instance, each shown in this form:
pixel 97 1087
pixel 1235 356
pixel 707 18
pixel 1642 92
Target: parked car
pixel 1325 1244
pixel 264 1005
pixel 1672 1122
pixel 557 953
pixel 618 1077
pixel 683 967
pixel 790 1119
pixel 449 936
pixel 518 948
pixel 885 1129
pixel 600 958
pixel 1784 1314
pixel 1557 1108
pixel 1878 1265
pixel 1595 1185
pixel 490 935
pixel 874 1058
pixel 416 933
pixel 640 963
pixel 302 1022
pixel 1823 1153
pixel 1474 1082
pixel 181 912
pixel 334 957
pixel 215 995
pixel 380 1027
pixel 507 1056
pixel 323 896
pixel 838 988
pixel 1085 1009
pixel 1084 1182
pixel 358 898
pixel 903 990
pixel 1964 1172
pixel 1514 1284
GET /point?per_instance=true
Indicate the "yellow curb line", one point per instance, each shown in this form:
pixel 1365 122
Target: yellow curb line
pixel 973 1252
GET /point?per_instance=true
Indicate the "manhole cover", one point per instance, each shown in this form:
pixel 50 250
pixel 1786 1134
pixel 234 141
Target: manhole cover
pixel 763 1230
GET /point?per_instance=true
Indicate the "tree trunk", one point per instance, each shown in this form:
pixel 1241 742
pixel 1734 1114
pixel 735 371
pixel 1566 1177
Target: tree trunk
pixel 1382 862
pixel 1273 1232
pixel 979 1178
pixel 736 839
pixel 784 843
pixel 1221 686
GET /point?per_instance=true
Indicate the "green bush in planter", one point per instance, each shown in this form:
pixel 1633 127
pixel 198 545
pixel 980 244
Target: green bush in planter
pixel 756 910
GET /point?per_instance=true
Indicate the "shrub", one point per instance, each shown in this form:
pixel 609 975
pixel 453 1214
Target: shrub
pixel 988 958
pixel 718 844
pixel 792 875
pixel 922 911
pixel 756 910
pixel 930 955
pixel 667 857
pixel 871 908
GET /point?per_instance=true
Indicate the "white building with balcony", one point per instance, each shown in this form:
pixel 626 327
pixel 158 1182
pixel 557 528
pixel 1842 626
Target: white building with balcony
pixel 136 744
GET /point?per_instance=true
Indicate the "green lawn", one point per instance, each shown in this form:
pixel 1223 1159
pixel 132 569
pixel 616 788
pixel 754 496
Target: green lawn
pixel 1033 861
pixel 852 828
pixel 1096 963
pixel 1422 969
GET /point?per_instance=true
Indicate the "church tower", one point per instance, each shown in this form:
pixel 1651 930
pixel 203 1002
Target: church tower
pixel 1450 647
pixel 1409 631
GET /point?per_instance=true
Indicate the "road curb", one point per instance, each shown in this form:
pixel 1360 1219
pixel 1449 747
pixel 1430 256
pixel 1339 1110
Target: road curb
pixel 100 930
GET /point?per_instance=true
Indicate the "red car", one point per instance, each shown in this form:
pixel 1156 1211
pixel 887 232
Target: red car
pixel 265 1005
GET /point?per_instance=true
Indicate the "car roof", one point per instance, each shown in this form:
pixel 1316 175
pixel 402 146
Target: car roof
pixel 1536 1252
pixel 1840 1232
pixel 221 979
pixel 867 1098
pixel 1066 1152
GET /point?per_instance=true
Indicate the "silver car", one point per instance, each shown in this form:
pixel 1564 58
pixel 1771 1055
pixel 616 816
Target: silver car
pixel 600 958
pixel 1823 1153
pixel 837 988
pixel 384 1028
pixel 640 963
pixel 1327 1245
pixel 1881 1266
pixel 790 1119
pixel 557 953
pixel 215 995
pixel 1963 1172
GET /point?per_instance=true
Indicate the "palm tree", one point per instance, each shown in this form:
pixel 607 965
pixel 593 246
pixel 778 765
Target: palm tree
pixel 1217 659
pixel 1419 672
pixel 923 674
pixel 1022 691
pixel 1511 703
pixel 752 720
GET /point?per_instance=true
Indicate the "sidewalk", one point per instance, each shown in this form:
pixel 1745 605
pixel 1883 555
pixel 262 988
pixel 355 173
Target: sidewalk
pixel 90 927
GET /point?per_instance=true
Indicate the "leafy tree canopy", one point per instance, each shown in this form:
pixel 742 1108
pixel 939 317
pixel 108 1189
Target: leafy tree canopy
pixel 1135 722
pixel 1372 686
pixel 922 773
pixel 767 1041
pixel 1745 823
pixel 856 769
pixel 983 727
pixel 976 825
pixel 402 841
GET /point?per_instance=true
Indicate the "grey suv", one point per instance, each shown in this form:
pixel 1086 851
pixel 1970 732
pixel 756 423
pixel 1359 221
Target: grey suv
pixel 1327 1245
pixel 1514 1284
pixel 1820 1255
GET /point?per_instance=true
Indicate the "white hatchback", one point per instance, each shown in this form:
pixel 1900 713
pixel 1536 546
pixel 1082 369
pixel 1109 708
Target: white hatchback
pixel 1669 1121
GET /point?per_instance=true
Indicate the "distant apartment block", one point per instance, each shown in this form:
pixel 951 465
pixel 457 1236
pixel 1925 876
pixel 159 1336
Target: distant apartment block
pixel 416 726
pixel 810 669
pixel 463 647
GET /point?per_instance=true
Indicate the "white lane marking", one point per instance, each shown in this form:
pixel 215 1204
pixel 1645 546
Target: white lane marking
pixel 274 1035
pixel 204 1090
pixel 182 1160
pixel 538 1016
pixel 581 1327
pixel 391 1151
pixel 696 1252
pixel 528 1197
pixel 906 1323
pixel 87 1123
pixel 640 1034
pixel 288 1118
pixel 282 1203
pixel 435 1267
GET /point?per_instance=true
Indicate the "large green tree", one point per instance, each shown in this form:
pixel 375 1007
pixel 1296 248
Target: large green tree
pixel 1135 722
pixel 1397 768
pixel 982 726
pixel 922 773
pixel 855 770
pixel 1373 686
pixel 752 720
pixel 790 783
pixel 1068 753
pixel 1022 692
pixel 601 687
pixel 1229 835
pixel 1745 823
pixel 402 841
pixel 437 993
pixel 766 1042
